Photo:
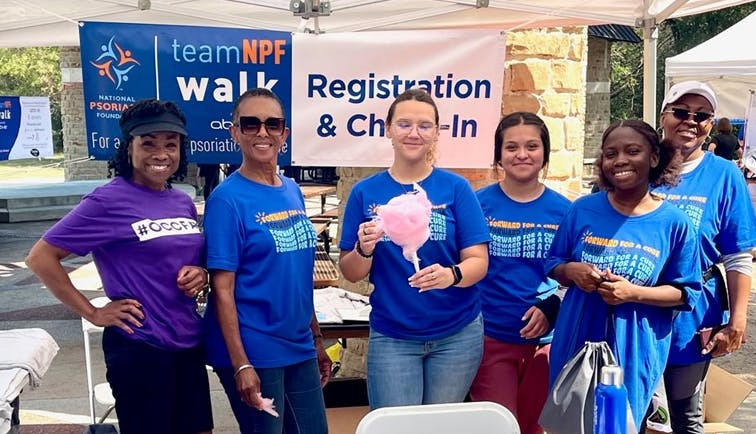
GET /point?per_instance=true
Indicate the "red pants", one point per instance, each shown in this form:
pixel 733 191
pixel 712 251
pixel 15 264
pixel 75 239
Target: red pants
pixel 515 376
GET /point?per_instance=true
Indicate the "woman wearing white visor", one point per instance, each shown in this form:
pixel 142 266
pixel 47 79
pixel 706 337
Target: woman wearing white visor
pixel 713 193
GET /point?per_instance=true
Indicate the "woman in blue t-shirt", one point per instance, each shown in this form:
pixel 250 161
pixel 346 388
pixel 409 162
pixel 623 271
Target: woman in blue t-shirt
pixel 519 303
pixel 426 333
pixel 629 259
pixel 262 336
pixel 713 193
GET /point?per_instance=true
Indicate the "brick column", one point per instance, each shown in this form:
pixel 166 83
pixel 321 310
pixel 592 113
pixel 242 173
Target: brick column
pixel 72 114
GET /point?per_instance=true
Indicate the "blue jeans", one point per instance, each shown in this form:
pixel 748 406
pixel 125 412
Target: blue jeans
pixel 405 372
pixel 297 396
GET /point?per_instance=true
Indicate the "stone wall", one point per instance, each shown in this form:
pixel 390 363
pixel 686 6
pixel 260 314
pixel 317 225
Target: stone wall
pixel 597 94
pixel 75 152
pixel 545 74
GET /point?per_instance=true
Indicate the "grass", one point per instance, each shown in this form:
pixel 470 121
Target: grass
pixel 32 168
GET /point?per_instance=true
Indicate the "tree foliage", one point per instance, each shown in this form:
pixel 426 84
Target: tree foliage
pixel 34 72
pixel 675 36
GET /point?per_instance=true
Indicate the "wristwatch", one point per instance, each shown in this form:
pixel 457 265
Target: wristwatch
pixel 457 274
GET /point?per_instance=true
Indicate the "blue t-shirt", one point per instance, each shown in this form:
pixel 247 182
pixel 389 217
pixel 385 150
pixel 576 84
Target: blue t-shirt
pixel 521 235
pixel 139 239
pixel 457 222
pixel 262 234
pixel 715 197
pixel 649 250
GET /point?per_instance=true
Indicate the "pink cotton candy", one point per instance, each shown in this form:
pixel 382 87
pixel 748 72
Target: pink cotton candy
pixel 406 220
pixel 267 405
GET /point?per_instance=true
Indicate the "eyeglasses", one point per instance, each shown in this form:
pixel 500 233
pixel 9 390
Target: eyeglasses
pixel 683 115
pixel 423 128
pixel 250 125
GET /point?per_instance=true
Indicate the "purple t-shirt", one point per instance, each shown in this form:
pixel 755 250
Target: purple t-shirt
pixel 139 239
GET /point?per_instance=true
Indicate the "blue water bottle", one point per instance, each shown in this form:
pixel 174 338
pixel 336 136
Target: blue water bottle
pixel 610 411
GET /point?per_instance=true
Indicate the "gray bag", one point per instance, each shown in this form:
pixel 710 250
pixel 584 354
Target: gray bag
pixel 569 408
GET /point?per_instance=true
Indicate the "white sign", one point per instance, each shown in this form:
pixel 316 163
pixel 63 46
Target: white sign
pixel 343 84
pixel 25 127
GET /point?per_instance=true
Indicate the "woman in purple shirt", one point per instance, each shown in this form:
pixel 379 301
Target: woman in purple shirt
pixel 146 243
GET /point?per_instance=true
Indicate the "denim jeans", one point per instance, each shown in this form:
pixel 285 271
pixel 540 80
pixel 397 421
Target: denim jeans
pixel 296 393
pixel 685 392
pixel 406 372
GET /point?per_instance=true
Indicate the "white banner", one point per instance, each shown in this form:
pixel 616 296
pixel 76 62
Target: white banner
pixel 25 127
pixel 343 84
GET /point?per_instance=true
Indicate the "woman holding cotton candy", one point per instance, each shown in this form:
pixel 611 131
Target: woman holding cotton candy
pixel 426 333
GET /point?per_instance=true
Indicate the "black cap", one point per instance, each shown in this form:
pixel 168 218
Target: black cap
pixel 166 121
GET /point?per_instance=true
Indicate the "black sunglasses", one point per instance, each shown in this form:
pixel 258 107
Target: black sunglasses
pixel 683 115
pixel 251 125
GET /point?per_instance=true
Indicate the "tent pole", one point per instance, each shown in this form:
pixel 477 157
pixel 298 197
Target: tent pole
pixel 650 38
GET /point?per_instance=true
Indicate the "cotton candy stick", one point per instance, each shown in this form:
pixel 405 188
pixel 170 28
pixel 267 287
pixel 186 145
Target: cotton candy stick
pixel 406 221
pixel 415 261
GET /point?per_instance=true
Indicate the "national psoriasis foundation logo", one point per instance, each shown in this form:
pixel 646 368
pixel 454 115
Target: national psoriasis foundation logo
pixel 114 63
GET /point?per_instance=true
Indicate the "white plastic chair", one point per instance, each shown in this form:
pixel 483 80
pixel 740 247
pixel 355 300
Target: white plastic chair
pixel 100 392
pixel 464 417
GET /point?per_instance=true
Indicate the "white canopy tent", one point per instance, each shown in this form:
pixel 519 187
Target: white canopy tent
pixel 25 23
pixel 725 63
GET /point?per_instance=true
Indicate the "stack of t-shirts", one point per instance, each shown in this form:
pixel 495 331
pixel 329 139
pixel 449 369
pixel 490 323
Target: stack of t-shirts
pixel 25 356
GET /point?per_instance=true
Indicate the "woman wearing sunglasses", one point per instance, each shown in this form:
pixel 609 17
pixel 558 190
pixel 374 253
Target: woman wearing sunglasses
pixel 713 194
pixel 262 336
pixel 426 332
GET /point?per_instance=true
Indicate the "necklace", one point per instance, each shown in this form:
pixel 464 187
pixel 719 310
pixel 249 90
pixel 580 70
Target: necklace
pixel 402 182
